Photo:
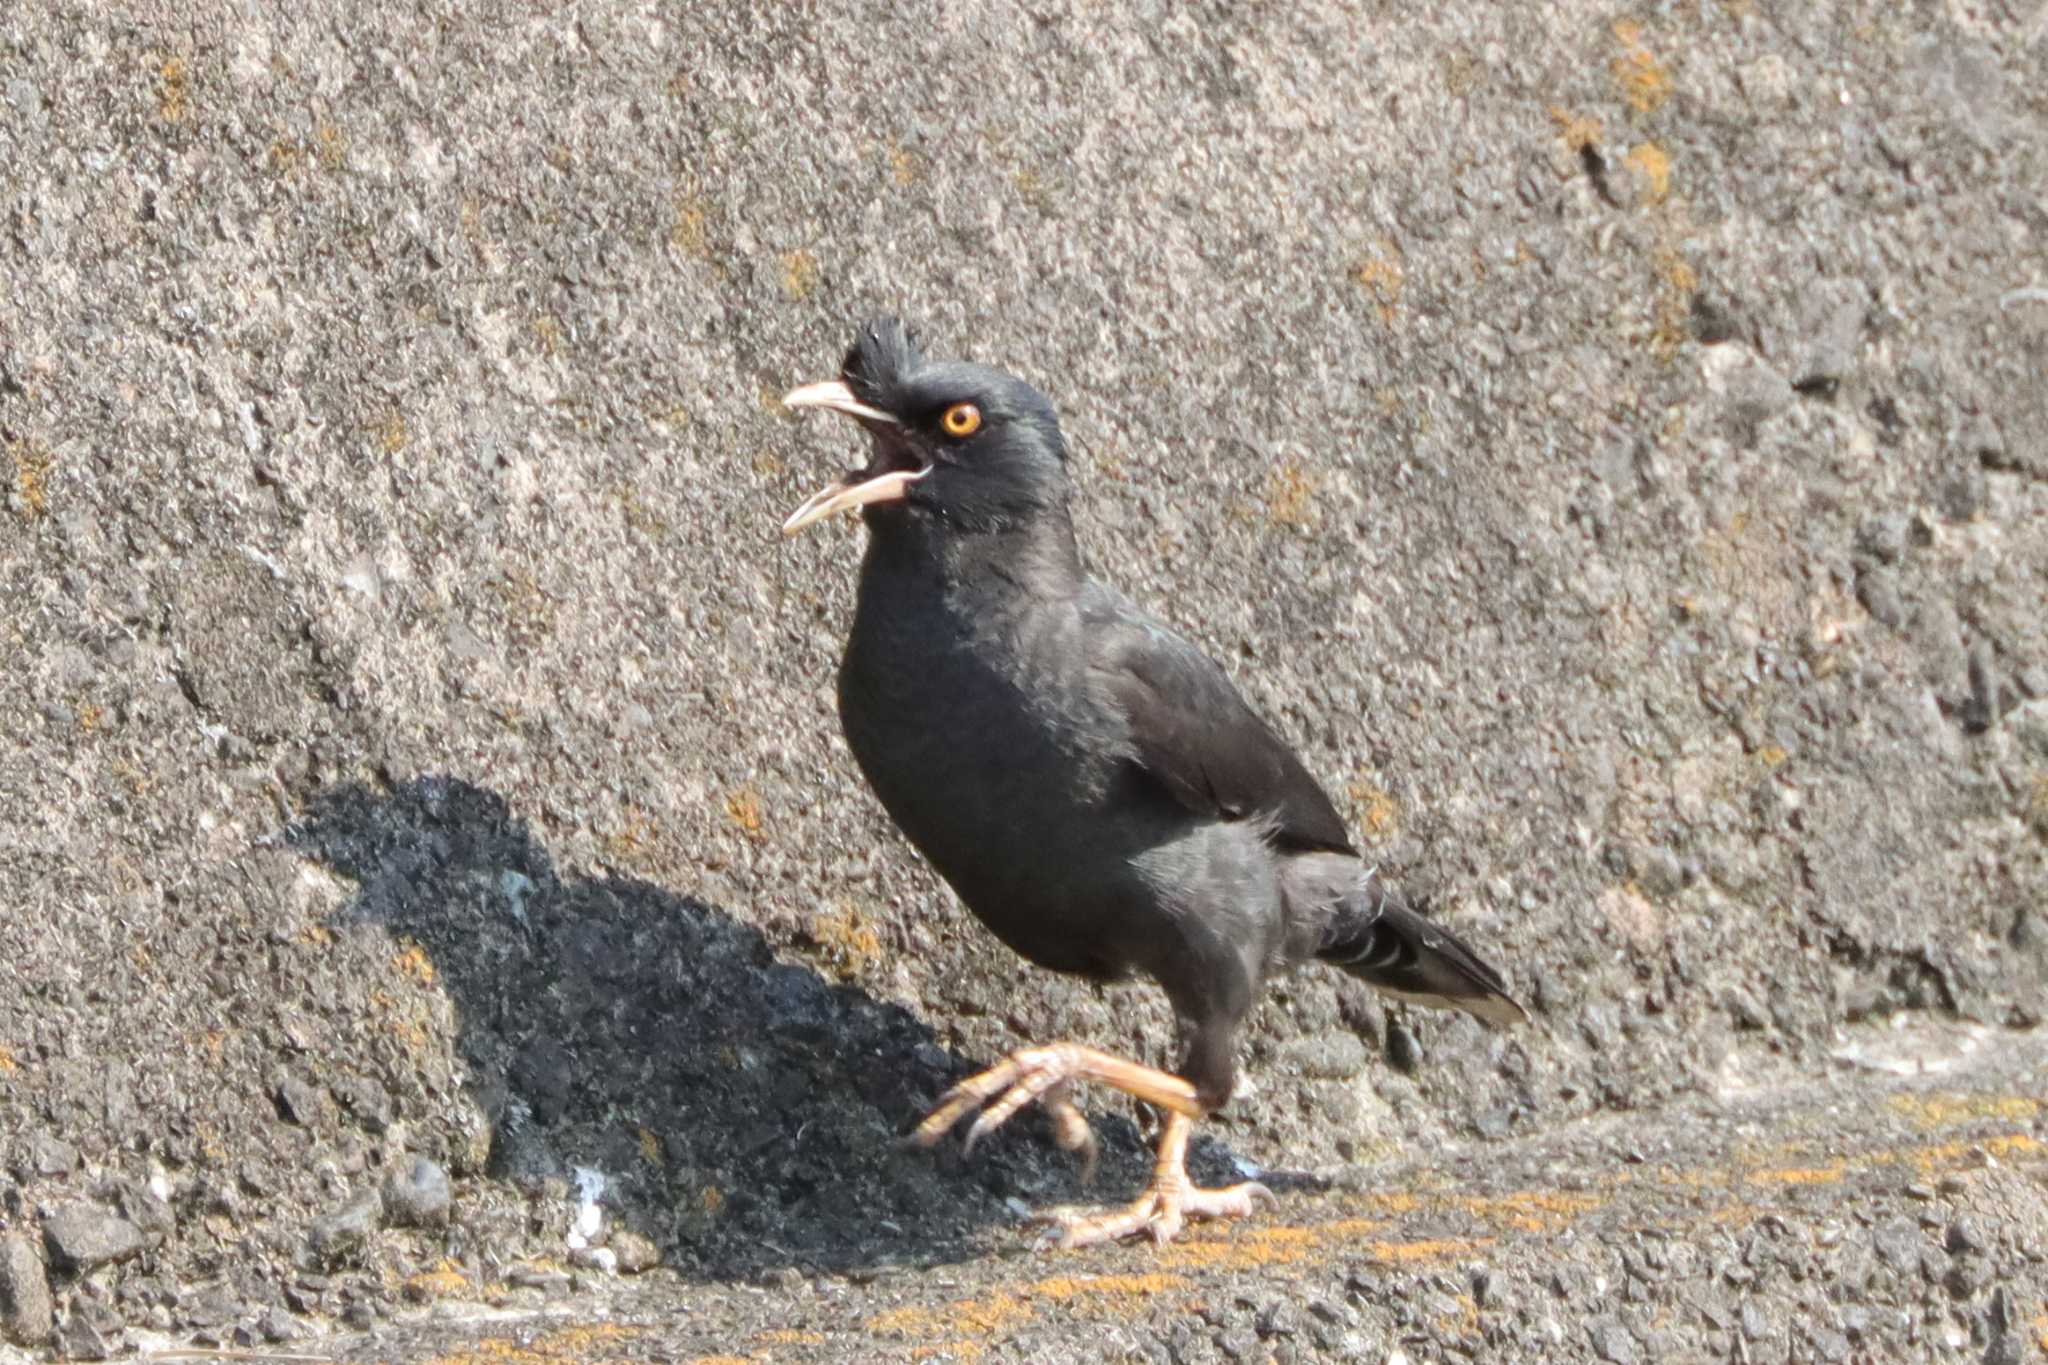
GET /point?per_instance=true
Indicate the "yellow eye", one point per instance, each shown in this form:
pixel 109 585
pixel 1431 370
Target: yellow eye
pixel 962 419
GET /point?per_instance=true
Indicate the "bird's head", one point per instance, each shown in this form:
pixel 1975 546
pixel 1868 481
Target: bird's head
pixel 969 446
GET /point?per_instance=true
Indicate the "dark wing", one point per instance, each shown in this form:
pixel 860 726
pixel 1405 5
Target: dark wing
pixel 1195 736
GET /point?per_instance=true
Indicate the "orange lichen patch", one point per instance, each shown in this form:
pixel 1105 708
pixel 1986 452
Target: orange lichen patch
pixel 547 330
pixel 1579 131
pixel 1652 163
pixel 1949 1155
pixel 1529 1210
pixel 173 90
pixel 1378 812
pixel 7 1062
pixel 633 843
pixel 1383 278
pixel 1063 1287
pixel 846 939
pixel 789 1336
pixel 799 274
pixel 712 1199
pixel 1943 1110
pixel 964 1349
pixel 902 165
pixel 583 1344
pixel 31 476
pixel 412 960
pixel 983 1317
pixel 1394 1202
pixel 1290 494
pixel 1799 1175
pixel 650 1146
pixel 442 1282
pixel 743 808
pixel 392 433
pixel 1678 282
pixel 722 1360
pixel 1645 81
pixel 689 234
pixel 1266 1247
pixel 407 1023
pixel 1426 1251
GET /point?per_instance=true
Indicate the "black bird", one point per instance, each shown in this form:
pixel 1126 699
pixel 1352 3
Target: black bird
pixel 1088 781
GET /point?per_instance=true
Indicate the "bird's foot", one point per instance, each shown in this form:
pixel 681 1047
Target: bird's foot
pixel 1165 1206
pixel 1159 1213
pixel 1070 1127
pixel 1045 1073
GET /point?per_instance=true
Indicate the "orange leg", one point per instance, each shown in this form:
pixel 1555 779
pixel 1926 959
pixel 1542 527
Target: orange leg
pixel 1044 1074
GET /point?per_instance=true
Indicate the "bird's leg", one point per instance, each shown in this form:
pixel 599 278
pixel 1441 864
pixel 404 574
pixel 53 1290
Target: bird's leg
pixel 1169 1201
pixel 1045 1074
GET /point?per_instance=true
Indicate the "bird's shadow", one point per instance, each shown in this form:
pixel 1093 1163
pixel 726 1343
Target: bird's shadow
pixel 745 1112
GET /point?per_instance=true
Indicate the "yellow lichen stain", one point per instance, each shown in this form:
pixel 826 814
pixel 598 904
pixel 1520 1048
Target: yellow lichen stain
pixel 1426 1251
pixel 1378 812
pixel 330 145
pixel 584 1345
pixel 799 274
pixel 743 808
pixel 1678 282
pixel 961 1330
pixel 789 1336
pixel 1529 1210
pixel 902 166
pixel 31 476
pixel 442 1282
pixel 1579 131
pixel 1394 1202
pixel 89 714
pixel 712 1199
pixel 691 234
pixel 412 960
pixel 1653 163
pixel 1949 1155
pixel 1290 495
pixel 1061 1288
pixel 983 1317
pixel 846 939
pixel 1267 1247
pixel 1645 81
pixel 548 332
pixel 650 1146
pixel 1383 278
pixel 173 90
pixel 632 844
pixel 391 433
pixel 287 156
pixel 7 1062
pixel 722 1360
pixel 1799 1175
pixel 1943 1110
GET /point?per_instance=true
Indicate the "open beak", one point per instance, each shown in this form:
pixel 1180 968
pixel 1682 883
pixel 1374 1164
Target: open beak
pixel 863 486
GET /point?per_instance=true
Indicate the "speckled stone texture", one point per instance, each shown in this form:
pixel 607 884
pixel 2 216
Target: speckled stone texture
pixel 1612 443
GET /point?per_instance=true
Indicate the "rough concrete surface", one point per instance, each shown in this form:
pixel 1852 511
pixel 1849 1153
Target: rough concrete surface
pixel 439 919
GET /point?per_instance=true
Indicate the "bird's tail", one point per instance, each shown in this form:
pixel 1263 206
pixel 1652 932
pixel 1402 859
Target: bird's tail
pixel 1374 936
